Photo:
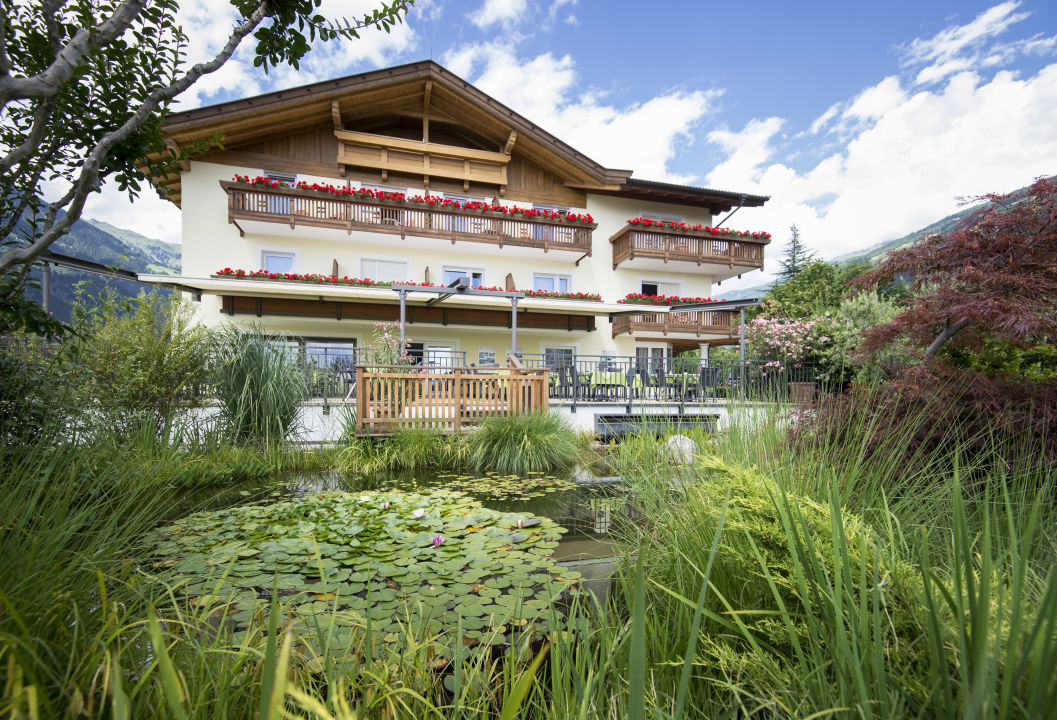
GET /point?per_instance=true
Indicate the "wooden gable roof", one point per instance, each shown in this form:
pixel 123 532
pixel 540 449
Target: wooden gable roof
pixel 308 116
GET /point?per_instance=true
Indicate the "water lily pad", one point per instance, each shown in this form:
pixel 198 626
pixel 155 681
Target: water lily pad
pixel 347 560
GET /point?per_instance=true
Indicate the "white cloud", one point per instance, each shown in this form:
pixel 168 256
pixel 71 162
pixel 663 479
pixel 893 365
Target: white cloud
pixel 642 136
pixel 905 169
pixel 875 101
pixel 504 12
pixel 209 24
pixel 972 46
pixel 557 5
pixel 149 215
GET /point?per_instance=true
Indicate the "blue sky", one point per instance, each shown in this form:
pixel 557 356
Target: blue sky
pixel 864 121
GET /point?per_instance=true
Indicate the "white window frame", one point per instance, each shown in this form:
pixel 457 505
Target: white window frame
pixel 555 276
pixel 384 258
pixel 292 253
pixel 663 281
pixel 469 270
pixel 660 216
pixel 290 178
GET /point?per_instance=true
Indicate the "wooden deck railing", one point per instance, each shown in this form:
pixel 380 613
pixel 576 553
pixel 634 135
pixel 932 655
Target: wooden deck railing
pixel 630 242
pixel 293 207
pixel 697 322
pixel 394 396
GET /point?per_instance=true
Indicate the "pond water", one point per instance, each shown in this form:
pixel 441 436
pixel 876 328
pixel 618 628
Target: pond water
pixel 589 506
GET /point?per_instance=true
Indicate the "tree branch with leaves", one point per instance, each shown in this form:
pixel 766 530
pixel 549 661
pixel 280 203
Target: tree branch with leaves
pixel 84 90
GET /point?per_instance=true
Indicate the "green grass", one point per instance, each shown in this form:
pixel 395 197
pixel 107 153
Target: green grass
pixel 765 580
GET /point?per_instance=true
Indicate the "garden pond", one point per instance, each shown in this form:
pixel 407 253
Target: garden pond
pixel 466 559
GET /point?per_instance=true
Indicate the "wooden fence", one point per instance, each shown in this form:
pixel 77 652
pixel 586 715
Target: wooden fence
pixel 394 396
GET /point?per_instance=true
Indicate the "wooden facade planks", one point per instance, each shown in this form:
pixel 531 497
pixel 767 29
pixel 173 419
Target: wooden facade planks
pixel 390 312
pixel 631 242
pixel 391 397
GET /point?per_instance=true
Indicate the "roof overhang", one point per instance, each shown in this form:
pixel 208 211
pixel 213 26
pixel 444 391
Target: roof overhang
pixel 385 295
pixel 716 201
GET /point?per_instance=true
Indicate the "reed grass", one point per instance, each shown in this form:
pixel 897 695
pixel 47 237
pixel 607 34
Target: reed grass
pixel 260 387
pixel 536 442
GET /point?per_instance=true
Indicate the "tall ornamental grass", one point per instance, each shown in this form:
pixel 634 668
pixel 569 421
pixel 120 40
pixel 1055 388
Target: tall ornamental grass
pixel 536 442
pixel 260 385
pixel 847 583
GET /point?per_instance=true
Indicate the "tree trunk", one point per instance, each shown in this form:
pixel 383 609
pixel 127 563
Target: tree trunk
pixel 949 331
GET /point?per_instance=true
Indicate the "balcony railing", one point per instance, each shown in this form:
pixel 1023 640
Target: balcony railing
pixel 695 322
pixel 310 208
pixel 631 242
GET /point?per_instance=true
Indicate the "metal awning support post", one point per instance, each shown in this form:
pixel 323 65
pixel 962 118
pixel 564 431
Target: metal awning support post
pixel 741 346
pixel 45 286
pixel 513 325
pixel 403 314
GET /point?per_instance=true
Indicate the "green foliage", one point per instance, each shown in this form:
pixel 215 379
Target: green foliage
pixel 797 256
pixel 1035 364
pixel 260 386
pixel 818 287
pixel 537 442
pixel 146 358
pixel 838 360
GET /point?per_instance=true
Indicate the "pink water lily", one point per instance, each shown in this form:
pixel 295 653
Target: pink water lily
pixel 437 540
pixel 520 523
pixel 385 505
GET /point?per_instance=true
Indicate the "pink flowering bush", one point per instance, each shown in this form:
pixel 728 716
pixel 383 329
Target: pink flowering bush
pixel 780 342
pixel 385 347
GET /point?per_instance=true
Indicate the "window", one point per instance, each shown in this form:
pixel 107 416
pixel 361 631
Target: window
pixel 278 261
pixel 486 356
pixel 283 177
pixel 552 283
pixel 459 197
pixel 558 356
pixel 331 354
pixel 653 358
pixel 552 208
pixel 381 270
pixel 657 287
pixel 664 217
pixel 383 188
pixel 474 277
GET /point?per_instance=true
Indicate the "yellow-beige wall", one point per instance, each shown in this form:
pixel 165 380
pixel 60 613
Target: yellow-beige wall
pixel 211 243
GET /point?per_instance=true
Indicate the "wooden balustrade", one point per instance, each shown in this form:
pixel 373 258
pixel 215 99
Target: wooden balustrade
pixel 631 242
pixel 393 396
pixel 293 207
pixel 696 322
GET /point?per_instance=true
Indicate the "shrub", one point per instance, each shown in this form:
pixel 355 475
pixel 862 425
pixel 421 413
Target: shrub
pixel 537 442
pixel 143 359
pixel 260 386
pixel 837 359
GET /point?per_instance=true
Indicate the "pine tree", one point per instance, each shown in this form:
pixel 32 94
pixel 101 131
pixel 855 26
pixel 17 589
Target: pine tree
pixel 797 255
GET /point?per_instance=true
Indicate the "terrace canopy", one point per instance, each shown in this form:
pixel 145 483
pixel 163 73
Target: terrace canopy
pixel 457 287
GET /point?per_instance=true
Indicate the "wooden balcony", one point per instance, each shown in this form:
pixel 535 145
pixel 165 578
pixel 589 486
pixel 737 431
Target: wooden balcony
pixel 311 208
pixel 696 322
pixel 632 242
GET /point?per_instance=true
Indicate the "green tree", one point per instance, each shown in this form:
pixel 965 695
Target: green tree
pixel 816 289
pixel 797 255
pixel 84 89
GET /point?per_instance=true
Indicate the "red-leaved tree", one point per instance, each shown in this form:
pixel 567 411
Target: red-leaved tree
pixel 992 279
pixel 996 275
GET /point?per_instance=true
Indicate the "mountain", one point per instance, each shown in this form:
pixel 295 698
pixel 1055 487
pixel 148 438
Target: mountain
pixel 940 227
pixel 874 253
pixel 108 245
pixel 164 255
